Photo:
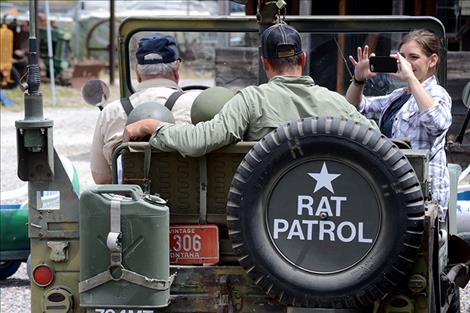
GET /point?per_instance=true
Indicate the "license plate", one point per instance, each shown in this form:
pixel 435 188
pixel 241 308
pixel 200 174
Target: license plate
pixel 194 244
pixel 126 310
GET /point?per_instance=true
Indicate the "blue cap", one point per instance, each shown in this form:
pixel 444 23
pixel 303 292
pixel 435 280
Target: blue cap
pixel 280 41
pixel 156 49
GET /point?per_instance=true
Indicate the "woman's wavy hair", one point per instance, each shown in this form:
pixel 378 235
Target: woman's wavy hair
pixel 426 39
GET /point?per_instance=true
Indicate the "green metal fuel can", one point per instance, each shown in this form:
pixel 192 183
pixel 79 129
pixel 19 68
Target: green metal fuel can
pixel 124 248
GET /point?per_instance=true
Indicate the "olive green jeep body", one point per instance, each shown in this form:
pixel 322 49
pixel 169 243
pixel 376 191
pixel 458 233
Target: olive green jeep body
pixel 197 191
pixel 391 255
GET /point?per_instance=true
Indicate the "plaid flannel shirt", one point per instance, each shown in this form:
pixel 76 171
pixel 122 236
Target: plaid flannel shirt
pixel 426 130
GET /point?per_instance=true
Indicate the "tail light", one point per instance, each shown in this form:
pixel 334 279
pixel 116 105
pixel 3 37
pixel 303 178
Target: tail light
pixel 43 275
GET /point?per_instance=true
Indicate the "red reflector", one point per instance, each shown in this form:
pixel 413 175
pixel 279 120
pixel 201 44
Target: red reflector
pixel 43 275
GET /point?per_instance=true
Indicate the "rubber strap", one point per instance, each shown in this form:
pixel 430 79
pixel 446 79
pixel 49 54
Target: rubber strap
pixel 113 241
pixel 170 102
pixel 459 138
pixel 203 190
pixel 126 105
pixel 132 277
pixel 147 163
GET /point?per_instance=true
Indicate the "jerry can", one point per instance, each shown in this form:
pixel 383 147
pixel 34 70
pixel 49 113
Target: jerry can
pixel 124 248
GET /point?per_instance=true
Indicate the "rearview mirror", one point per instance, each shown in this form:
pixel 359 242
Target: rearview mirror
pixel 95 92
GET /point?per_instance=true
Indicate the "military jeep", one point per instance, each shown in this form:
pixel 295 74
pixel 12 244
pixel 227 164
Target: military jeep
pixel 321 215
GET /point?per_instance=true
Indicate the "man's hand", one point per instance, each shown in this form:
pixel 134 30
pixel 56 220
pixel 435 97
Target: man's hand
pixel 102 178
pixel 140 129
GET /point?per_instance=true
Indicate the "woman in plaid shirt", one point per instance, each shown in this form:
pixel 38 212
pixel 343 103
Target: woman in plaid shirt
pixel 421 111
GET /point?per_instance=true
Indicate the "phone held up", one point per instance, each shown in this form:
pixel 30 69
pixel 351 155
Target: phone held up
pixel 383 64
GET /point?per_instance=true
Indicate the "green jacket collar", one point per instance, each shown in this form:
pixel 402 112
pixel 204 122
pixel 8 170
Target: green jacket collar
pixel 306 80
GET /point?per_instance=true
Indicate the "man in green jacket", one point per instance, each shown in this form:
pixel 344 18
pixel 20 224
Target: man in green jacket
pixel 256 110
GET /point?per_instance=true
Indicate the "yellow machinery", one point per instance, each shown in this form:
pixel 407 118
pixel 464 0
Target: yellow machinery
pixel 6 52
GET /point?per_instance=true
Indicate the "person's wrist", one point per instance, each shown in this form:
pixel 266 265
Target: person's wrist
pixel 358 82
pixel 151 126
pixel 410 79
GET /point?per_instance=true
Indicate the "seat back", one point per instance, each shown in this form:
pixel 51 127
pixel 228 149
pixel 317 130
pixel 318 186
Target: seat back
pixel 196 188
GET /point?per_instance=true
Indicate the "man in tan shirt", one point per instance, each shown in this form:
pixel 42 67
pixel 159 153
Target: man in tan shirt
pixel 158 76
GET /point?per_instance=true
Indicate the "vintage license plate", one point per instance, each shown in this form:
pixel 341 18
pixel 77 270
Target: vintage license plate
pixel 194 244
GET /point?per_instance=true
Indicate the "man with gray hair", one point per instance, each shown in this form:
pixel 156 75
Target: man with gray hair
pixel 157 72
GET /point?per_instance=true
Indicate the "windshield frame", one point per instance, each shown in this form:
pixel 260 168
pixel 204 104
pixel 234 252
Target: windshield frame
pixel 304 24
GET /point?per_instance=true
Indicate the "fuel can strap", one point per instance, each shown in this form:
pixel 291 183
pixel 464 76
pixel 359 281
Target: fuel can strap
pixel 94 282
pixel 144 281
pixel 113 241
pixel 115 215
pixel 132 277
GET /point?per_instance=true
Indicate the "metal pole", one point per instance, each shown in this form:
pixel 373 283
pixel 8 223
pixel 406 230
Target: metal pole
pixel 32 22
pixel 398 8
pixel 33 109
pixel 305 8
pixel 112 45
pixel 223 39
pixel 34 77
pixel 77 29
pixel 35 152
pixel 339 58
pixel 50 53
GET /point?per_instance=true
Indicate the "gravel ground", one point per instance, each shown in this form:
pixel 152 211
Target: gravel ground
pixel 15 292
pixel 73 130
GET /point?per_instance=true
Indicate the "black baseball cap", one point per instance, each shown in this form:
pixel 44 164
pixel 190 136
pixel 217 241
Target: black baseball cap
pixel 280 41
pixel 156 49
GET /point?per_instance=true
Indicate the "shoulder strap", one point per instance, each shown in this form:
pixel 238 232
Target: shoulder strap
pixel 172 99
pixel 126 105
pixel 170 102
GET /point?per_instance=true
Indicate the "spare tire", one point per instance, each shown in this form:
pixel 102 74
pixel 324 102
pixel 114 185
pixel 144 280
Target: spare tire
pixel 325 212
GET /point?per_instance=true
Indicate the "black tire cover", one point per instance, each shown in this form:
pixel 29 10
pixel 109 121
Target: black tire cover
pixel 325 212
pixel 8 268
pixel 465 236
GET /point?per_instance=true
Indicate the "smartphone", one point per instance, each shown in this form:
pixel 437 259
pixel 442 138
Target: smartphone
pixel 382 64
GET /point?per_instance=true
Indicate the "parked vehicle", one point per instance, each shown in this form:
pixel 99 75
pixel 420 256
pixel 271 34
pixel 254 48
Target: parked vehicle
pixel 14 241
pixel 246 228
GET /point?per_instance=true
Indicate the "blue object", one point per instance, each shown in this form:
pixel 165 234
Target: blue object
pixel 390 113
pixel 6 101
pixel 463 195
pixel 156 49
pixel 10 206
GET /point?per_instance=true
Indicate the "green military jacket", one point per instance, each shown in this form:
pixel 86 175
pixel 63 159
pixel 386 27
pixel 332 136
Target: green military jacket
pixel 253 112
